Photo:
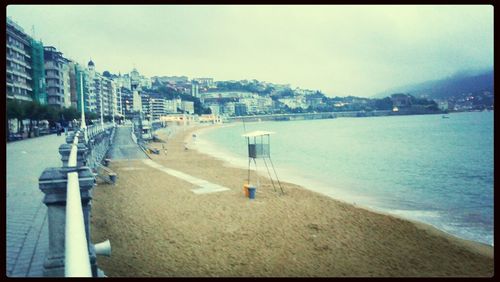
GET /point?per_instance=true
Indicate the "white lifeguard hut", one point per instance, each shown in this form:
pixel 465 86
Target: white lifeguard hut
pixel 259 147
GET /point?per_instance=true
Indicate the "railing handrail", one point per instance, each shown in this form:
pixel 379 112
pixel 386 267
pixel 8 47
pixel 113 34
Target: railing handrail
pixel 77 261
pixel 95 129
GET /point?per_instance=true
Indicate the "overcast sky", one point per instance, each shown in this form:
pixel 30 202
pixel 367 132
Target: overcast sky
pixel 340 50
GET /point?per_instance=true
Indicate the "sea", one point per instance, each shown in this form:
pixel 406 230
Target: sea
pixel 429 168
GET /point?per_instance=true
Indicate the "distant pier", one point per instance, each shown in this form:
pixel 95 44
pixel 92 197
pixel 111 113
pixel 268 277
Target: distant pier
pixel 308 116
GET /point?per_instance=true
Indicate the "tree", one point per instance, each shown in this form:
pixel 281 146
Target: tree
pixel 33 114
pixel 14 111
pixel 90 116
pixel 383 104
pixel 287 92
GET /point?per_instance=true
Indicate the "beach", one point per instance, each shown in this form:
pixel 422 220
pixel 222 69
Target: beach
pixel 159 228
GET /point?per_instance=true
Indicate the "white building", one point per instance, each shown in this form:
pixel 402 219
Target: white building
pixel 293 103
pixel 251 103
pixel 443 105
pixel 265 104
pixel 205 81
pixel 170 106
pixel 146 105
pixel 119 99
pixel 135 79
pixel 123 81
pixel 215 109
pixel 187 106
pixel 228 109
pixel 314 102
pixel 229 94
pixel 66 101
pixel 158 108
pixel 194 88
pixel 136 101
pixel 115 98
pixel 145 82
pixel 92 97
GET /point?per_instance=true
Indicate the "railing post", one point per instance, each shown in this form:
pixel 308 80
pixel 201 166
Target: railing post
pixel 65 150
pixel 53 183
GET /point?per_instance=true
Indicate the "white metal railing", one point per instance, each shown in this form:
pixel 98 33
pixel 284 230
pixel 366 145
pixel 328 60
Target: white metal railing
pixel 77 261
pixel 93 130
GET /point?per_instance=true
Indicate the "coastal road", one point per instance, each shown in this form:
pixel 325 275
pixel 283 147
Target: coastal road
pixel 124 148
pixel 26 214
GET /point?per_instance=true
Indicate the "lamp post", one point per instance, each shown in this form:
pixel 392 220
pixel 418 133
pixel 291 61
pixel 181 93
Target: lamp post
pixel 83 124
pixel 102 116
pixel 114 106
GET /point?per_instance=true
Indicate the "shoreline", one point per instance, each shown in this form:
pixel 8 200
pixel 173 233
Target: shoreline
pixel 159 227
pixel 487 249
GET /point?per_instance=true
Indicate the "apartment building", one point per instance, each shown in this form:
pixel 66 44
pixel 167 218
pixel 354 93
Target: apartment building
pixel 54 77
pixel 18 63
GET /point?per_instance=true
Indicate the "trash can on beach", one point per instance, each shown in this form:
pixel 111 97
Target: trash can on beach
pixel 245 189
pixel 251 192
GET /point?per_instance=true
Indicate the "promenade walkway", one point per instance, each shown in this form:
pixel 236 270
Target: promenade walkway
pixel 26 215
pixel 27 227
pixel 123 147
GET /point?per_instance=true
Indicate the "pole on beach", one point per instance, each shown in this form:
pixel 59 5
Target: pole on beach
pixel 83 125
pixel 102 115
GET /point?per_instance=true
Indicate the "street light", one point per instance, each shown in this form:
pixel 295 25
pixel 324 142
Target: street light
pixel 83 124
pixel 114 104
pixel 102 117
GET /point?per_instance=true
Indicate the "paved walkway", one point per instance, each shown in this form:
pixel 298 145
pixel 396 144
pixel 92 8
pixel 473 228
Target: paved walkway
pixel 27 230
pixel 123 147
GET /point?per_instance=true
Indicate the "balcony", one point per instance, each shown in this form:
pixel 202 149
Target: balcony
pixel 54 94
pixel 53 84
pixel 20 97
pixel 18 49
pixel 52 66
pixel 19 61
pixel 51 75
pixel 18 73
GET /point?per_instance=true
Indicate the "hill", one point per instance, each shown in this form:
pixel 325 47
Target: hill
pixel 464 82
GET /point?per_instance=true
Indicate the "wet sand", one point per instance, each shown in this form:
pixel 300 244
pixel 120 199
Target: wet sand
pixel 159 228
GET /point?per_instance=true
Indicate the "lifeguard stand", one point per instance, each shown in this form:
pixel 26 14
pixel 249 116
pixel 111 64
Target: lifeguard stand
pixel 259 145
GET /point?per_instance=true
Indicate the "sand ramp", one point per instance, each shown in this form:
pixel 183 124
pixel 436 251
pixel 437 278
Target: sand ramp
pixel 204 186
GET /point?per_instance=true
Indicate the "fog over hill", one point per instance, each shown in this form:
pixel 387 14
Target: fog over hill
pixel 461 82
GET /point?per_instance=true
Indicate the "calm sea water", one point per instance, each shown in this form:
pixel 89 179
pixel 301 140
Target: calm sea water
pixel 426 168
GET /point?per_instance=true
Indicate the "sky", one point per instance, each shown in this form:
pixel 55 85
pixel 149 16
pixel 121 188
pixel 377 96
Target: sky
pixel 340 50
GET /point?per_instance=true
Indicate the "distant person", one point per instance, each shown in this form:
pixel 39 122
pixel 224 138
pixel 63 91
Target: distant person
pixel 185 146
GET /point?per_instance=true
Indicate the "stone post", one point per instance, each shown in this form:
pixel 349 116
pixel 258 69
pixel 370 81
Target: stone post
pixel 70 137
pixel 53 183
pixel 81 158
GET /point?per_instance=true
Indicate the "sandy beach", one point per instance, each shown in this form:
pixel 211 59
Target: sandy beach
pixel 159 228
